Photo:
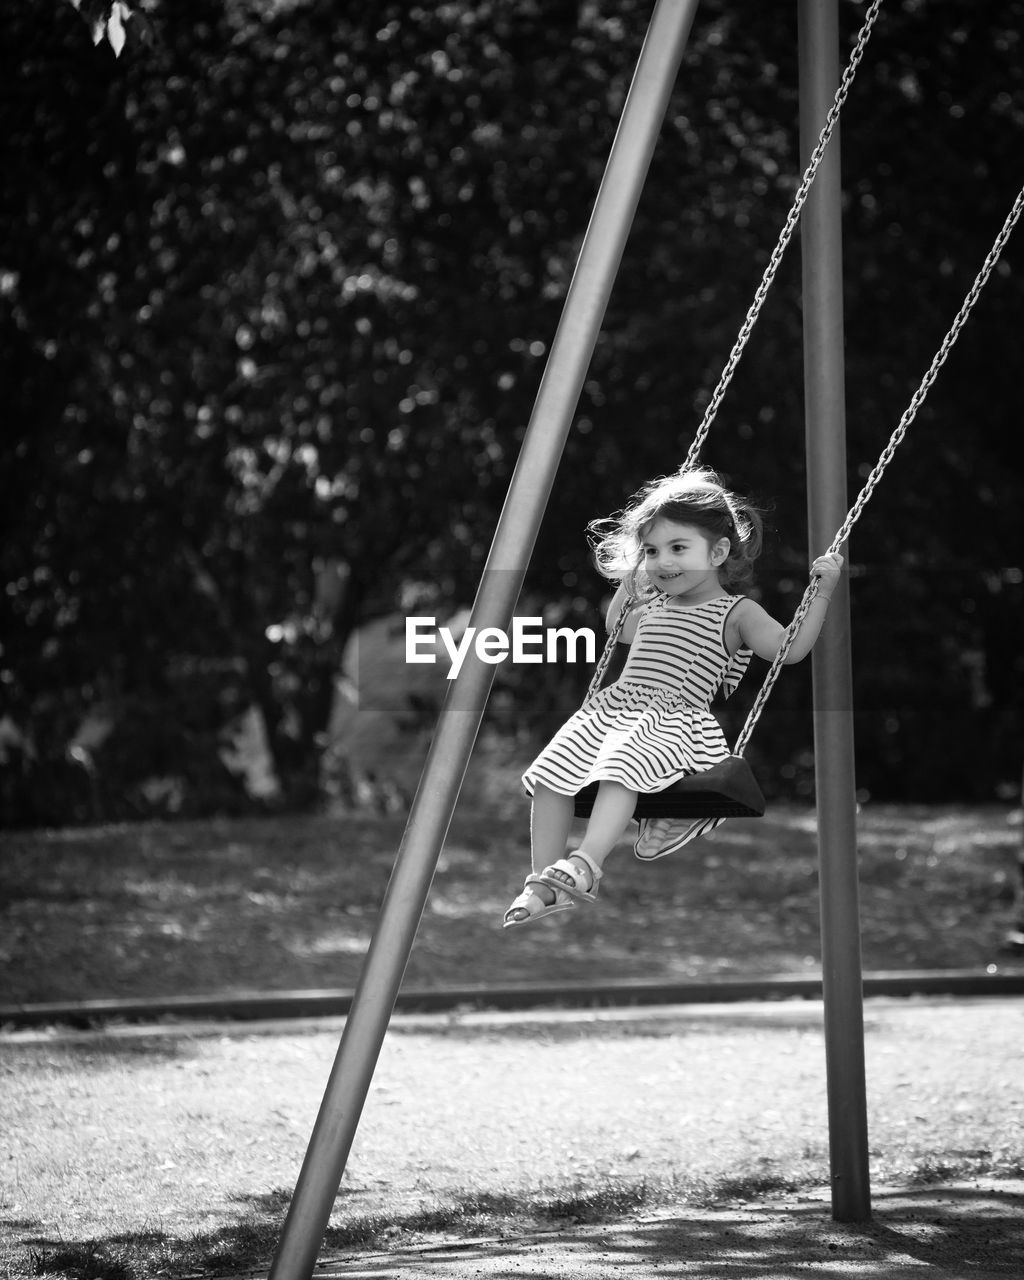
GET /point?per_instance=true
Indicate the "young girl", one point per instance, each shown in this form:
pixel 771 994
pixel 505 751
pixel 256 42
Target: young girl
pixel 681 549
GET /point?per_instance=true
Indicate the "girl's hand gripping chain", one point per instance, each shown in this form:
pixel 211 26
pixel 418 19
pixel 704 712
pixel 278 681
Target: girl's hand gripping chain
pixel 826 570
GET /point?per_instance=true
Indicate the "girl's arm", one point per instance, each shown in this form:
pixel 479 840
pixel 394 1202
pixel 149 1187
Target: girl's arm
pixel 759 631
pixel 612 615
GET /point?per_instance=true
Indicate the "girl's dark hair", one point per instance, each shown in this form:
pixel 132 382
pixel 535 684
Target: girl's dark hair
pixel 696 497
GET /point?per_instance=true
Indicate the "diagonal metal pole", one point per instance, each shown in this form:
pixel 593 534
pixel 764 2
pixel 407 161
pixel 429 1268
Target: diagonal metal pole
pixel 824 402
pixel 499 590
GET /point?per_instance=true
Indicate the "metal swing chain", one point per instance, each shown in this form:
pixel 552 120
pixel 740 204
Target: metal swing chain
pixel 785 236
pixel 886 456
pixel 760 295
pixel 609 649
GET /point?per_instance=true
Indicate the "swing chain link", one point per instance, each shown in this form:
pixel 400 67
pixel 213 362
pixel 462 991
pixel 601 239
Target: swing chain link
pixel 785 236
pixel 886 456
pixel 609 649
pixel 926 382
pixel 774 670
pixel 761 294
pixel 759 298
pixel 853 515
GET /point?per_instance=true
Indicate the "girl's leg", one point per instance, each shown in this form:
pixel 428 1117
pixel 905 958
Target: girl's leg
pixel 613 809
pixel 609 818
pixel 551 820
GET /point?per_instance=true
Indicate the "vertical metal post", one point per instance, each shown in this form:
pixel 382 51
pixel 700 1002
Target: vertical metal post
pixel 1014 940
pixel 824 403
pixel 498 593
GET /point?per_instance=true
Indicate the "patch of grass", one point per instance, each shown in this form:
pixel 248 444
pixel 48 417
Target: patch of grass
pixel 79 1262
pixel 125 1259
pixel 596 1205
pixel 200 908
pixel 932 1170
pixel 145 1255
pixel 473 1213
pixel 251 1244
pixel 753 1186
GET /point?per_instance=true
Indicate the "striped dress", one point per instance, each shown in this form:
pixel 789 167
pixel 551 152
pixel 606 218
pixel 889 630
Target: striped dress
pixel 654 725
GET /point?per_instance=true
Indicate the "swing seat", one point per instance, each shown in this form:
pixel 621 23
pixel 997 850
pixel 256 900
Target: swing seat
pixel 727 790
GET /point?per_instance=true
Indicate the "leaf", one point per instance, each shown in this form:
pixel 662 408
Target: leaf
pixel 115 26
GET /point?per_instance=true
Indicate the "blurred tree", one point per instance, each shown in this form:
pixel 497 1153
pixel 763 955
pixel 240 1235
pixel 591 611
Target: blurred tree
pixel 276 291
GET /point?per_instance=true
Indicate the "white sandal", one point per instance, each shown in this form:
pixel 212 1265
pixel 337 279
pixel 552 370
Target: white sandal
pixel 576 883
pixel 534 905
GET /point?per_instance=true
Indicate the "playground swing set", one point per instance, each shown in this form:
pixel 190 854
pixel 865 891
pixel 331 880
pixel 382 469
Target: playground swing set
pixel 727 790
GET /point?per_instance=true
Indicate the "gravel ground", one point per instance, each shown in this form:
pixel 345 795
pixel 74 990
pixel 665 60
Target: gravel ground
pixel 970 1230
pixel 710 1104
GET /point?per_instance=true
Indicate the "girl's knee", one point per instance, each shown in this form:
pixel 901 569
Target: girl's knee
pixel 612 788
pixel 547 795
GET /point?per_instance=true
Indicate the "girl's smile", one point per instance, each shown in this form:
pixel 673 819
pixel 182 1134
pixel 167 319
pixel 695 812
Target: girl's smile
pixel 681 560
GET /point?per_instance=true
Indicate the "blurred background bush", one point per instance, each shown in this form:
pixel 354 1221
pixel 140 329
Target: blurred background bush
pixel 277 285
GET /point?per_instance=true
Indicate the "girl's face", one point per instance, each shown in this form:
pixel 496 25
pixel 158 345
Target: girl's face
pixel 681 559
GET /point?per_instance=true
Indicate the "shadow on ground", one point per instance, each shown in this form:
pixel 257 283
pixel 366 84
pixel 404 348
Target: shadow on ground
pixel 970 1229
pixel 974 1230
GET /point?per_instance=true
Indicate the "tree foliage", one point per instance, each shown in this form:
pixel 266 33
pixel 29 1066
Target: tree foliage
pixel 276 291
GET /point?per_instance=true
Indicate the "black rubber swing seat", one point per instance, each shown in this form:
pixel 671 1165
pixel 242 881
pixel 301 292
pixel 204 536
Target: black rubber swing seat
pixel 727 790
